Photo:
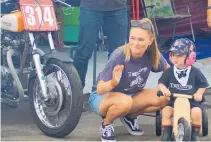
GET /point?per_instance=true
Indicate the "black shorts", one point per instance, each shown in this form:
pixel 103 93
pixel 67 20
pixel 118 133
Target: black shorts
pixel 192 104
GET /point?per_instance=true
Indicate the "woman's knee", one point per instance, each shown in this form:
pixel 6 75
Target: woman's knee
pixel 196 113
pixel 121 102
pixel 163 102
pixel 151 97
pixel 160 101
pixel 125 102
pixel 156 101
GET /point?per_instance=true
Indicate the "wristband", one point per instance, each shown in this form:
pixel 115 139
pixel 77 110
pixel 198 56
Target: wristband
pixel 113 83
pixel 208 11
pixel 209 7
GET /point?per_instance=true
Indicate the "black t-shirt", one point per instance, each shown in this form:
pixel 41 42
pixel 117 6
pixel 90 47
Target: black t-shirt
pixel 104 5
pixel 195 81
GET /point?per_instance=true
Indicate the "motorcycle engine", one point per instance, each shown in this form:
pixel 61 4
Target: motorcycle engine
pixel 7 83
pixel 12 40
pixel 15 41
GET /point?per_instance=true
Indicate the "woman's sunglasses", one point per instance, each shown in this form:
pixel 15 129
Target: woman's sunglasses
pixel 143 25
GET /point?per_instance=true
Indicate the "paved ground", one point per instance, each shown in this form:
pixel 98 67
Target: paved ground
pixel 18 125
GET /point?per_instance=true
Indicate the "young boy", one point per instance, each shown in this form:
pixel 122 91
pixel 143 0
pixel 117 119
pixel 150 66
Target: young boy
pixel 182 78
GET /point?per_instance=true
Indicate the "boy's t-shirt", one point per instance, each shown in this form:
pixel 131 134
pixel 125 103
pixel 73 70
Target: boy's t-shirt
pixel 195 81
pixel 135 73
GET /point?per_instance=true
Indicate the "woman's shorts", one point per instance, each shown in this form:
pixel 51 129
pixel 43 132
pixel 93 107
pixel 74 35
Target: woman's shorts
pixel 94 101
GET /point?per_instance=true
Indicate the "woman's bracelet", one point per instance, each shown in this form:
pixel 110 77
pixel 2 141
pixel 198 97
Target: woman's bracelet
pixel 113 83
pixel 208 11
pixel 209 7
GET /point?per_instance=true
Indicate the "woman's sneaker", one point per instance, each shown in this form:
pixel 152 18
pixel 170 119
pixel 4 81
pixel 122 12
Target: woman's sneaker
pixel 107 133
pixel 132 126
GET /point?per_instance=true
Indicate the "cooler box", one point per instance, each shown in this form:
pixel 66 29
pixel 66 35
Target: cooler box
pixel 70 15
pixel 70 33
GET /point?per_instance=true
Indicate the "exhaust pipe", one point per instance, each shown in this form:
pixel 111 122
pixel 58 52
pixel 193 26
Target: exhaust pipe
pixel 10 52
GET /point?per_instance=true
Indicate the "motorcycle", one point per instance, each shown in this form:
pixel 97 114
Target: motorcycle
pixel 47 79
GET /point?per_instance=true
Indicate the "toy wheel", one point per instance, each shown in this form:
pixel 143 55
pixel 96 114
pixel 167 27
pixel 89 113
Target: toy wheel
pixel 184 130
pixel 204 121
pixel 158 123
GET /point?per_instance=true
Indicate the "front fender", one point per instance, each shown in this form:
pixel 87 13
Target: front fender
pixel 62 56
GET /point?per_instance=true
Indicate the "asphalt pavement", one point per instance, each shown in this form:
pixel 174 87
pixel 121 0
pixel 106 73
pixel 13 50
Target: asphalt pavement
pixel 18 124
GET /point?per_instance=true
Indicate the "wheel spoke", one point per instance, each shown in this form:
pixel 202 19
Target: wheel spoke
pixel 55 112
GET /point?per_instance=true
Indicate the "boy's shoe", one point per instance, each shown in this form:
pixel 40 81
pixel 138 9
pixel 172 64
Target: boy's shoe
pixel 166 133
pixel 107 133
pixel 132 126
pixel 195 133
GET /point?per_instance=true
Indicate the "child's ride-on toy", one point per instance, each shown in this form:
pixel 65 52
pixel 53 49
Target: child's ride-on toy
pixel 182 118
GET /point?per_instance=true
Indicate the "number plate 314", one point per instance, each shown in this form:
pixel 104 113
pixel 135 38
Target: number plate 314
pixel 38 15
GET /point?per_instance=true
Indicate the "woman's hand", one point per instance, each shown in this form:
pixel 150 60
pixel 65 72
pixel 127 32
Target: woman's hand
pixel 105 87
pixel 117 74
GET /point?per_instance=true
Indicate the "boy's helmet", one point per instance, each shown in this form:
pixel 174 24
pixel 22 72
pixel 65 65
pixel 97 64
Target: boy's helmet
pixel 184 46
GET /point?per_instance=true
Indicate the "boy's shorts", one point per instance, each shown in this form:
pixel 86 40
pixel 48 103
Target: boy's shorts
pixel 192 104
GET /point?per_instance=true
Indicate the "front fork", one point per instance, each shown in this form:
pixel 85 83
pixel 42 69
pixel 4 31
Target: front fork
pixel 38 66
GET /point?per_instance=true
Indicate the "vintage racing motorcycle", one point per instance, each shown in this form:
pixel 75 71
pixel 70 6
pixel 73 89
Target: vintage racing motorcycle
pixel 48 79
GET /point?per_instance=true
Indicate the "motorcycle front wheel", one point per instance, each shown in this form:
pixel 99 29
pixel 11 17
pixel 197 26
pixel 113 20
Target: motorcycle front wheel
pixel 58 116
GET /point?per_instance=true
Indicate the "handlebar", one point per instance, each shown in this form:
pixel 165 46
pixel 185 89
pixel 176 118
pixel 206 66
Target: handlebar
pixel 175 95
pixel 62 2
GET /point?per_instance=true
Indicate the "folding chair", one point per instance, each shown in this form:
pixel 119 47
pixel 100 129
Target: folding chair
pixel 164 13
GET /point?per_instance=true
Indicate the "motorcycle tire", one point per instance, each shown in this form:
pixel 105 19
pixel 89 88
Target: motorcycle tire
pixel 76 107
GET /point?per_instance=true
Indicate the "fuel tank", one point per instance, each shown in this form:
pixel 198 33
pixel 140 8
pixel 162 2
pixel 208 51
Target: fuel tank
pixel 12 22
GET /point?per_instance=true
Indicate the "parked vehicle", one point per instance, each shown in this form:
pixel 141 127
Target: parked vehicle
pixel 49 80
